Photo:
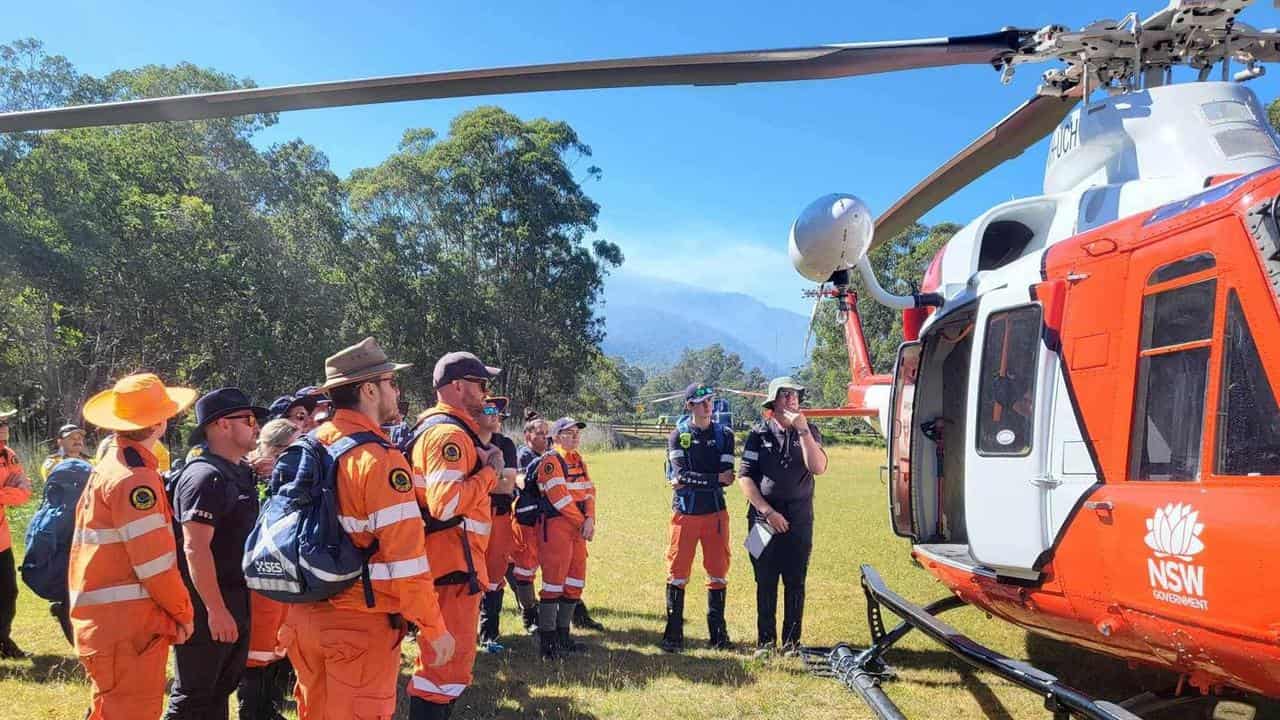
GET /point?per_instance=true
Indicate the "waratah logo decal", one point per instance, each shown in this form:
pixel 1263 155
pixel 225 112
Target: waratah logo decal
pixel 1174 531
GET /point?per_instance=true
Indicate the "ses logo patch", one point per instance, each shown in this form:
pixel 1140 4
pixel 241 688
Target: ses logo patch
pixel 1173 535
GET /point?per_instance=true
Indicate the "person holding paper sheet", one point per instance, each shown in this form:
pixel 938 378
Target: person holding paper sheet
pixel 780 458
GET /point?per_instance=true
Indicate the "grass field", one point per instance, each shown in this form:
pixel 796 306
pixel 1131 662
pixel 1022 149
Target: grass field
pixel 626 676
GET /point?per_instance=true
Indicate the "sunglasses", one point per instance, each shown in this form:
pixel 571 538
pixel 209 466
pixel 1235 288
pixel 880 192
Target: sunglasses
pixel 702 393
pixel 251 420
pixel 491 410
pixel 390 381
pixel 482 382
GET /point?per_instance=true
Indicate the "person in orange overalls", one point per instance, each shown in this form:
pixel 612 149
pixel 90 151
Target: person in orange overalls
pixel 568 524
pixel 526 521
pixel 15 489
pixel 454 474
pixel 700 457
pixel 502 539
pixel 128 601
pixel 346 653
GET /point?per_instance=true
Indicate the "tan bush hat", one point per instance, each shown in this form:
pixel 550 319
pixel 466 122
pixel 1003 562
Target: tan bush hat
pixel 363 361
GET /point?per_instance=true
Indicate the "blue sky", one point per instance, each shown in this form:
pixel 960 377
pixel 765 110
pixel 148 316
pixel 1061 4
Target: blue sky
pixel 699 184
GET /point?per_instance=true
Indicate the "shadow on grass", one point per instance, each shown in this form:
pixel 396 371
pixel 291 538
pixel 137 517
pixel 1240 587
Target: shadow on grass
pixel 43 668
pixel 518 684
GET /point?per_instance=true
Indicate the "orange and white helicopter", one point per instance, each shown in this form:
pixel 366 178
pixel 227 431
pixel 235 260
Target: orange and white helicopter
pixel 1083 431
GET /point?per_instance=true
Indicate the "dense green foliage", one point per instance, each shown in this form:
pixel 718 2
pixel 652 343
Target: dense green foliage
pixel 184 249
pixel 714 366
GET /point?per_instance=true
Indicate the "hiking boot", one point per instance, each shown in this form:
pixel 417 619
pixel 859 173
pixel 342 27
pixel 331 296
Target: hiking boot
pixel 764 651
pixel 583 619
pixel 492 647
pixel 9 650
pixel 548 648
pixel 565 643
pixel 673 635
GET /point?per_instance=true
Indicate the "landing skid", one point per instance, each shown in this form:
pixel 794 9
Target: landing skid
pixel 863 671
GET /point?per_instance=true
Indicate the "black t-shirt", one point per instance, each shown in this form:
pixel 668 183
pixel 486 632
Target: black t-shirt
pixel 213 491
pixel 778 469
pixel 502 501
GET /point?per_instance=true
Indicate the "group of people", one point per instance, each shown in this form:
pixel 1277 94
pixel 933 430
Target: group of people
pixel 446 508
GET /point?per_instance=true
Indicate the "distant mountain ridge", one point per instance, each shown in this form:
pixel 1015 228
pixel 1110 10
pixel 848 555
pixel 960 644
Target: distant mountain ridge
pixel 650 321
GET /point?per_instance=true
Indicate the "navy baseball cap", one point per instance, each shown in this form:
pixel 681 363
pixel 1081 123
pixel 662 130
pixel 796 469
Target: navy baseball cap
pixel 565 423
pixel 697 392
pixel 460 366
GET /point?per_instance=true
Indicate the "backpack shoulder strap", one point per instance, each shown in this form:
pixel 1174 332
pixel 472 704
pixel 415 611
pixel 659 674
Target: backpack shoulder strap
pixel 350 442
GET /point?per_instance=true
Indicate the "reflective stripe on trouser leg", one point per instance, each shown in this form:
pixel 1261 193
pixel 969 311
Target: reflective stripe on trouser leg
pixel 555 551
pixel 576 575
pixel 443 684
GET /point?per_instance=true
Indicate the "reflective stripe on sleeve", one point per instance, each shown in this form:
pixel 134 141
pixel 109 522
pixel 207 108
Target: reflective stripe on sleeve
pixel 135 529
pixel 559 504
pixel 476 526
pixel 675 454
pixel 450 509
pixel 580 485
pixel 452 690
pixel 118 593
pixel 155 567
pixel 550 483
pixel 382 518
pixel 264 656
pixel 399 569
pixel 750 455
pixel 727 458
pixel 443 476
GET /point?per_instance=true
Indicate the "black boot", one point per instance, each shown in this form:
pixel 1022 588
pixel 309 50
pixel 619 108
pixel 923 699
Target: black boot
pixel 528 606
pixel 564 622
pixel 256 694
pixel 490 613
pixel 581 618
pixel 547 645
pixel 673 635
pixel 717 629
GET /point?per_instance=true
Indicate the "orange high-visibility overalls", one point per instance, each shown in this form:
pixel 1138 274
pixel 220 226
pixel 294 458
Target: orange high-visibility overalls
pixel 126 595
pixel 346 654
pixel 266 617
pixel 562 551
pixel 17 494
pixel 455 492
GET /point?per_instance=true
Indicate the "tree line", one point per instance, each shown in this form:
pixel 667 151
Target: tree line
pixel 183 249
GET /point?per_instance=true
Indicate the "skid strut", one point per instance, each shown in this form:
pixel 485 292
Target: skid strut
pixel 863 670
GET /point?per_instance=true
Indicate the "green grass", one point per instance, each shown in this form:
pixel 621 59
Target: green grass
pixel 626 676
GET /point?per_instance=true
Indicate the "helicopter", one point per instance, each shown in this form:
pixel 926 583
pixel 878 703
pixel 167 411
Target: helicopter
pixel 1082 427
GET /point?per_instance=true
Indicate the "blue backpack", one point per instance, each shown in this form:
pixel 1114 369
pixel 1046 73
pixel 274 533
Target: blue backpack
pixel 298 551
pixel 44 567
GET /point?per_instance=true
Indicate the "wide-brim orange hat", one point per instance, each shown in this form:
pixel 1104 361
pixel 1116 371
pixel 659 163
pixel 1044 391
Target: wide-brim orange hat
pixel 137 402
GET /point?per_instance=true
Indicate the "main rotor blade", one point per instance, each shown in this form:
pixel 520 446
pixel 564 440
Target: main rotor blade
pixel 1007 139
pixel 824 61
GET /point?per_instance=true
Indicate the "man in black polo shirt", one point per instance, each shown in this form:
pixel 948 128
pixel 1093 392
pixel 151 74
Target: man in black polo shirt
pixel 780 458
pixel 215 502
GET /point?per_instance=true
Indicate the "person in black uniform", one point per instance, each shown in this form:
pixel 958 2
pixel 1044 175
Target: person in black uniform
pixel 215 503
pixel 780 458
